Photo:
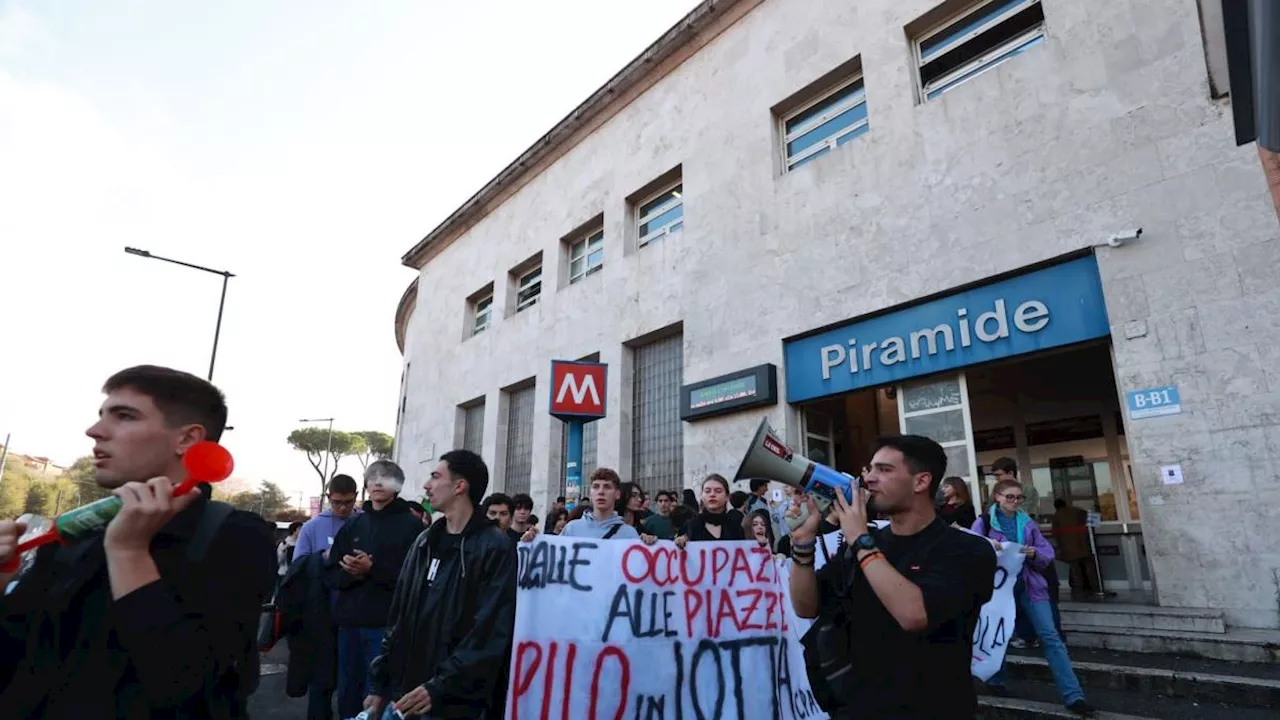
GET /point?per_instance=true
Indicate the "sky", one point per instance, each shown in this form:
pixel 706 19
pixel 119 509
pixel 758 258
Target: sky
pixel 302 145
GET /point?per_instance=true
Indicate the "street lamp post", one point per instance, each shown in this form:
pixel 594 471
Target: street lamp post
pixel 217 330
pixel 328 449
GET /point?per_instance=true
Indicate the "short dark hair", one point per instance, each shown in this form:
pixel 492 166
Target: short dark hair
pixel 294 526
pixel 716 478
pixel 470 467
pixel 922 456
pixel 605 473
pixel 667 494
pixel 182 398
pixel 738 498
pixel 560 499
pixel 1005 464
pixel 757 483
pixel 521 501
pixel 497 499
pixel 343 485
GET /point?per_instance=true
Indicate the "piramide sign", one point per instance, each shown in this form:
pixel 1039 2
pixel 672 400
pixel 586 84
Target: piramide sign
pixel 578 389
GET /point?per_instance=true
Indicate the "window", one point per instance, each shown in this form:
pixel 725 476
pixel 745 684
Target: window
pixel 519 466
pixel 481 311
pixel 825 123
pixel 657 433
pixel 586 256
pixel 529 288
pixel 662 214
pixel 473 427
pixel 974 41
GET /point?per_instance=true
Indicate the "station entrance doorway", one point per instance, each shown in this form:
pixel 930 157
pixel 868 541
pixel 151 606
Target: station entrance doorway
pixel 1056 413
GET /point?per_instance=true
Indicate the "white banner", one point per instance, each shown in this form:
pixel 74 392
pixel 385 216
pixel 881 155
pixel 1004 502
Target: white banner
pixel 994 630
pixel 614 630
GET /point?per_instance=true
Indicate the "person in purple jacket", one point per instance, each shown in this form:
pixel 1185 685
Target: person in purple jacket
pixel 1005 522
pixel 318 533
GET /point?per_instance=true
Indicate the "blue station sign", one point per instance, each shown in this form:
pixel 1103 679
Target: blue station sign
pixel 1048 308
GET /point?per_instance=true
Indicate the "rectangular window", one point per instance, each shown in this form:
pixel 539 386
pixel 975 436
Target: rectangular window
pixel 825 123
pixel 519 466
pixel 657 433
pixel 529 288
pixel 481 312
pixel 972 42
pixel 473 427
pixel 662 214
pixel 586 256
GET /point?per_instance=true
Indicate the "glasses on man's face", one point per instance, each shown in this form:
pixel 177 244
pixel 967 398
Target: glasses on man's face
pixel 1013 498
pixel 342 503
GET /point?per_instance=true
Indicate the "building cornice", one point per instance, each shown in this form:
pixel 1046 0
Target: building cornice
pixel 404 312
pixel 685 38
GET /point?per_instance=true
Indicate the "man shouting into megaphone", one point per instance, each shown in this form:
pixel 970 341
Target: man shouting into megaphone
pixel 894 608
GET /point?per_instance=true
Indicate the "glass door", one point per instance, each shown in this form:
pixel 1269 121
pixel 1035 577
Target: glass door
pixel 938 409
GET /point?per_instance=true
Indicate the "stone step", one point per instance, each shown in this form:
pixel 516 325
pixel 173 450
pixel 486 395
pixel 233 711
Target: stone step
pixel 1007 708
pixel 1236 644
pixel 1203 687
pixel 1147 617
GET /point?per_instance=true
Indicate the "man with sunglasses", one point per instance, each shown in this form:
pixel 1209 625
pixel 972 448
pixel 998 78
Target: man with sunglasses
pixel 318 532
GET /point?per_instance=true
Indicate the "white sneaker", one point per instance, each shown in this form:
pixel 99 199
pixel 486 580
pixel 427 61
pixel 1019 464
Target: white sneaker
pixel 1018 643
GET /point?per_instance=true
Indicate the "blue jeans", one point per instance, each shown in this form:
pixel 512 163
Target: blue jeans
pixel 1041 615
pixel 357 647
pixel 389 714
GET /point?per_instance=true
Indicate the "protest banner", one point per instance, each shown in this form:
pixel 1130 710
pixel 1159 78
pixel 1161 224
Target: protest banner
pixel 994 630
pixel 610 629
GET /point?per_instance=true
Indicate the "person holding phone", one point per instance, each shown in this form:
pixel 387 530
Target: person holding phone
pixel 363 566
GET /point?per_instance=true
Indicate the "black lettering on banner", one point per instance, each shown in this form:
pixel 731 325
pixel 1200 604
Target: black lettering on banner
pixel 983 631
pixel 546 564
pixel 735 663
pixel 784 676
pixel 704 647
pixel 675 646
pixel 632 608
pixel 653 706
pixel 1002 575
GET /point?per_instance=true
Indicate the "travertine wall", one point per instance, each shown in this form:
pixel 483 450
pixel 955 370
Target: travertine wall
pixel 1107 126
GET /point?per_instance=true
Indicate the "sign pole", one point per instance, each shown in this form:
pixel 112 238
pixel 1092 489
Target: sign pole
pixel 1092 521
pixel 573 462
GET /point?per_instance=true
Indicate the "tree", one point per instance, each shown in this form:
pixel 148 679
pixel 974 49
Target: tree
pixel 14 486
pixel 292 515
pixel 377 446
pixel 268 500
pixel 315 440
pixel 40 498
pixel 81 474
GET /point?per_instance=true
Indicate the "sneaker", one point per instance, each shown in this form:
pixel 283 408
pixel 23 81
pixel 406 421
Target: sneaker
pixel 1082 708
pixel 1018 644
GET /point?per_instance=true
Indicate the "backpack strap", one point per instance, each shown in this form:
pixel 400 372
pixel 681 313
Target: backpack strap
pixel 612 531
pixel 215 513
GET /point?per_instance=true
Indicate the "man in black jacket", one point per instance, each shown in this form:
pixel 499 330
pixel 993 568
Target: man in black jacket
pixel 362 566
pixel 449 634
pixel 155 616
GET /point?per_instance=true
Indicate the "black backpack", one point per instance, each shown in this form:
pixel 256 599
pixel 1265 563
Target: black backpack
pixel 236 689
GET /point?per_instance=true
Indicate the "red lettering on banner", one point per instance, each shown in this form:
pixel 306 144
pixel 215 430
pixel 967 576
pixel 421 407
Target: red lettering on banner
pixel 626 563
pixel 546 686
pixel 692 606
pixel 766 564
pixel 741 567
pixel 750 610
pixel 522 682
pixel 719 561
pixel 724 610
pixel 771 604
pixel 684 568
pixel 568 682
pixel 624 683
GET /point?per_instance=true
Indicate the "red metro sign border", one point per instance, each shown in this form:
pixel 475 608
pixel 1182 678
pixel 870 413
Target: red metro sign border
pixel 578 389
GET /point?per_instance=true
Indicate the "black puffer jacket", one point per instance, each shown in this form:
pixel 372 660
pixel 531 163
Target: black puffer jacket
pixel 452 633
pixel 387 535
pixel 306 621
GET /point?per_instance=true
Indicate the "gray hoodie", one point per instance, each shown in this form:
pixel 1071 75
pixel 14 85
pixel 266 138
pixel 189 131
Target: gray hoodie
pixel 588 527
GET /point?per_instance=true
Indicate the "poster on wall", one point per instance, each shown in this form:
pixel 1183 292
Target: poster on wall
pixel 597 619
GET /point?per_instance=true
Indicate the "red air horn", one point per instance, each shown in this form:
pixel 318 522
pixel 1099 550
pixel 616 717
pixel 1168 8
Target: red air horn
pixel 206 462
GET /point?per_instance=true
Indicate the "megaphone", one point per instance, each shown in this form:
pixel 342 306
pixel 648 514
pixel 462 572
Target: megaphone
pixel 770 458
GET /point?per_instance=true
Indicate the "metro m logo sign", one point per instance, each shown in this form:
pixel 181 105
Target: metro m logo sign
pixel 578 389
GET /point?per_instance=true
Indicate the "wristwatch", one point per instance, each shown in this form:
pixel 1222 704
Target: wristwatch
pixel 860 543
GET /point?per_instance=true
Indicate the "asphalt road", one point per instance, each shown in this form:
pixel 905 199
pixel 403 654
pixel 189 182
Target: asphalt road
pixel 270 702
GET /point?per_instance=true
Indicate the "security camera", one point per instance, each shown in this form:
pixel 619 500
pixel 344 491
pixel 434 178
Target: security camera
pixel 1123 237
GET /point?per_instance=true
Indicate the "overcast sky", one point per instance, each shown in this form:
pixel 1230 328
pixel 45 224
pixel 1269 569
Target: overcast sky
pixel 302 145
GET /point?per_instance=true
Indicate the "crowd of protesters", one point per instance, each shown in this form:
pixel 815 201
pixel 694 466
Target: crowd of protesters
pixel 406 610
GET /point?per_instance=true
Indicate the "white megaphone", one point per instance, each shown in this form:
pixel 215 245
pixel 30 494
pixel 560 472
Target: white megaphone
pixel 770 458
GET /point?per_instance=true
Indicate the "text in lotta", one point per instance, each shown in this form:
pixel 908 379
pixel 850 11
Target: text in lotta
pixel 612 630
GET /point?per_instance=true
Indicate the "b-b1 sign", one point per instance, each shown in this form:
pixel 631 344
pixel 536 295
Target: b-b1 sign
pixel 1153 402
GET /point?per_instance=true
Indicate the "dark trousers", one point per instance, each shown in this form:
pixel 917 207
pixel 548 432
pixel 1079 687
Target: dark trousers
pixel 319 702
pixel 357 647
